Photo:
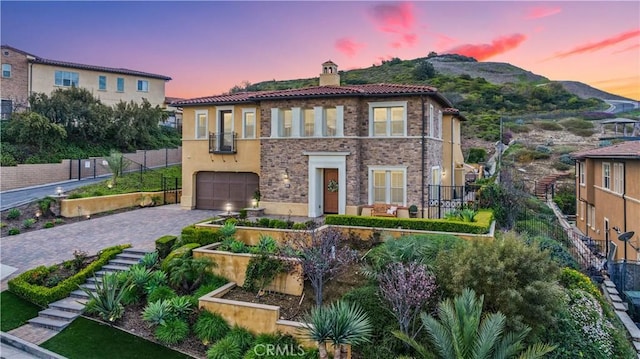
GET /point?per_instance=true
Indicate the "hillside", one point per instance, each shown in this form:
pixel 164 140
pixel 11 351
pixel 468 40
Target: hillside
pixel 493 72
pixel 585 91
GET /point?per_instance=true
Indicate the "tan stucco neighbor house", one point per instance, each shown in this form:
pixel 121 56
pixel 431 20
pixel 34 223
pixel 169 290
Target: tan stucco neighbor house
pixel 24 74
pixel 318 150
pixel 608 195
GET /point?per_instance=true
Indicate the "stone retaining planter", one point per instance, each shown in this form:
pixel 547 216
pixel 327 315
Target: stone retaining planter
pixel 370 232
pixel 233 266
pixel 87 206
pixel 251 235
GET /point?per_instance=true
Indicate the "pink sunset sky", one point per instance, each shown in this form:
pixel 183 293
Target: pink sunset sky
pixel 207 47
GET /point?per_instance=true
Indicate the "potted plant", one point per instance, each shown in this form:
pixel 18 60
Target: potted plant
pixel 256 198
pixel 413 211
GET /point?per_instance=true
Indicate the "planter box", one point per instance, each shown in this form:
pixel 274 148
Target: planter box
pixel 251 235
pixel 369 232
pixel 86 206
pixel 233 266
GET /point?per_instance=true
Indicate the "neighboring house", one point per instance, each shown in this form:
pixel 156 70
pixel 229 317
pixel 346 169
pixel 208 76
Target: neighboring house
pixel 174 118
pixel 24 74
pixel 608 195
pixel 318 150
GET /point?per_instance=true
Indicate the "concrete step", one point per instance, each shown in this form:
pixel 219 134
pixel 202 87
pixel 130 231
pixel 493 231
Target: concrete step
pixel 88 285
pixel 141 252
pixel 114 268
pixel 123 262
pixel 78 293
pixel 58 314
pixel 68 304
pixel 49 323
pixel 93 280
pixel 130 256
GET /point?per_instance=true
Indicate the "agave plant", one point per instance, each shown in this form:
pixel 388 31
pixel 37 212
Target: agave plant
pixel 158 312
pixel 150 260
pixel 107 299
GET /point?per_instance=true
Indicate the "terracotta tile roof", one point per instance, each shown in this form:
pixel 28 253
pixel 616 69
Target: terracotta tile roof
pixel 17 50
pixel 319 91
pixel 39 60
pixel 627 149
pixel 454 111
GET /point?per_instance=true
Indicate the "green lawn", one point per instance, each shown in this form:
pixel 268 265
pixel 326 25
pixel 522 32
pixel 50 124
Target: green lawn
pixel 15 311
pixel 86 338
pixel 150 180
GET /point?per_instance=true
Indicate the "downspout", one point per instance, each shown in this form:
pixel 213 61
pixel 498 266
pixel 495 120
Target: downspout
pixel 624 200
pixel 453 177
pixel 423 155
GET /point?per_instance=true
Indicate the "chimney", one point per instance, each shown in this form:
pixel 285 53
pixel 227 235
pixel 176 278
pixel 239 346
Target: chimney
pixel 329 75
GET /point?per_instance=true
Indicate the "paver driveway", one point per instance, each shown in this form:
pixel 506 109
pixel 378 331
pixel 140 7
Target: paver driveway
pixel 139 227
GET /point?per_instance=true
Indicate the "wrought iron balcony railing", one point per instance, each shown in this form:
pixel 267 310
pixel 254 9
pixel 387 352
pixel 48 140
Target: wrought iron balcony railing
pixel 222 142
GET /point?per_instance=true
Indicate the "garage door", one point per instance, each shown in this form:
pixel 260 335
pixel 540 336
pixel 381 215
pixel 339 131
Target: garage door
pixel 215 189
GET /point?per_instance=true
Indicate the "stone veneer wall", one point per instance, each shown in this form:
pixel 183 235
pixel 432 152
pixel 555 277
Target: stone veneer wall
pixel 16 87
pixel 287 153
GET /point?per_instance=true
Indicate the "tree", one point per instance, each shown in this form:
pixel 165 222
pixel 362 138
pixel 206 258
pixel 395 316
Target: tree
pixel 116 163
pixel 322 256
pixel 461 332
pixel 424 71
pixel 515 278
pixel 33 129
pixel 342 323
pixel 407 288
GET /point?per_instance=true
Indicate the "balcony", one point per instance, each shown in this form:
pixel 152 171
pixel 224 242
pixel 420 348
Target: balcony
pixel 222 143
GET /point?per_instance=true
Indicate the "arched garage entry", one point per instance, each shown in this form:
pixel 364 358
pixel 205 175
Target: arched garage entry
pixel 215 189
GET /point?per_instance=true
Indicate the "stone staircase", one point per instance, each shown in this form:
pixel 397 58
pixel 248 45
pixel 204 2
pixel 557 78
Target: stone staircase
pixel 61 313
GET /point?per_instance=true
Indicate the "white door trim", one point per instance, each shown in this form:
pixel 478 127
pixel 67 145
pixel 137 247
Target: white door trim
pixel 318 161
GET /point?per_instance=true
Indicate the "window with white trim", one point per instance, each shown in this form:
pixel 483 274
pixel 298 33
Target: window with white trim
pixel 439 125
pixel 102 83
pixel 120 84
pixel 329 122
pixel 309 122
pixel 6 70
pixel 66 78
pixel 285 123
pixel 432 130
pixel 582 210
pixel 143 85
pixel 581 173
pixel 388 119
pixel 248 123
pixel 388 185
pixel 618 177
pixel 591 216
pixel 201 125
pixel 606 175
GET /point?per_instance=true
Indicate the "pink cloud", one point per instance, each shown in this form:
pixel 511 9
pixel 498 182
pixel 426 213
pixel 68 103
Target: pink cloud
pixel 541 11
pixel 348 46
pixel 629 48
pixel 590 47
pixel 397 19
pixel 485 51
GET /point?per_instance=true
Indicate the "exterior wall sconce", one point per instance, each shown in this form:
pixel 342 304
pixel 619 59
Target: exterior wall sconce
pixel 228 207
pixel 59 191
pixel 444 172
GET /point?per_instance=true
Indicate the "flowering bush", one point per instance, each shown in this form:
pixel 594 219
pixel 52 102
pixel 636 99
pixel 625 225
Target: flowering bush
pixel 587 313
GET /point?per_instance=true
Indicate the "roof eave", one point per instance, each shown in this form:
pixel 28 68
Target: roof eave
pixel 41 61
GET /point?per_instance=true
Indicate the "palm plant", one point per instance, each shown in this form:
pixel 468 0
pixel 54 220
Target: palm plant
pixel 462 333
pixel 188 273
pixel 116 162
pixel 107 299
pixel 341 323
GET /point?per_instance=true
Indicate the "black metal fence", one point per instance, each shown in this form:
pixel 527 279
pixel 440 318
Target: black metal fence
pixel 445 199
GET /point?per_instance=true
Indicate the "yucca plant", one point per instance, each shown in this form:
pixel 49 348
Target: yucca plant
pixel 181 306
pixel 173 331
pixel 107 299
pixel 158 312
pixel 210 327
pixel 225 348
pixel 228 230
pixel 139 276
pixel 468 215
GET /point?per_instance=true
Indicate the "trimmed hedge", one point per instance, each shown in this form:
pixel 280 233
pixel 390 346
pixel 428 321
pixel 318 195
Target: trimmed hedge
pixel 183 251
pixel 164 244
pixel 481 226
pixel 202 236
pixel 42 296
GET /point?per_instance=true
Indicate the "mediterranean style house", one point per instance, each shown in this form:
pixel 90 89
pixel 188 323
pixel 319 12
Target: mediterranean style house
pixel 608 196
pixel 24 74
pixel 320 150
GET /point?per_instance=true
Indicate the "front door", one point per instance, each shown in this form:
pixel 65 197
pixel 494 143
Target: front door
pixel 330 185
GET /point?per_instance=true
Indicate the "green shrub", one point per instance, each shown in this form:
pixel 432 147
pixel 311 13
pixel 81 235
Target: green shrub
pixel 481 226
pixel 184 251
pixel 264 222
pixel 238 247
pixel 477 155
pixel 278 223
pixel 149 260
pixel 42 296
pixel 225 348
pixel 207 288
pixel 160 293
pixel 203 236
pixel 548 125
pixel 158 312
pixel 266 244
pixel 242 214
pixel 560 166
pixel 58 221
pixel 49 225
pixel 14 213
pixel 181 306
pixel 558 252
pixel 228 229
pixel 45 205
pixel 210 327
pixel 573 279
pixel 13 231
pixel 242 337
pixel 173 332
pixel 28 223
pixel 164 244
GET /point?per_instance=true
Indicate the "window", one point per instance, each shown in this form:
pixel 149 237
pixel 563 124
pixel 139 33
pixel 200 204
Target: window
pixel 387 119
pixel 439 125
pixel 387 185
pixel 120 84
pixel 224 137
pixel 66 78
pixel 102 83
pixel 582 210
pixel 432 129
pixel 581 172
pixel 309 120
pixel 249 123
pixel 201 125
pixel 329 122
pixel 286 123
pixel 6 70
pixel 591 216
pixel 618 177
pixel 606 175
pixel 6 109
pixel 143 85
